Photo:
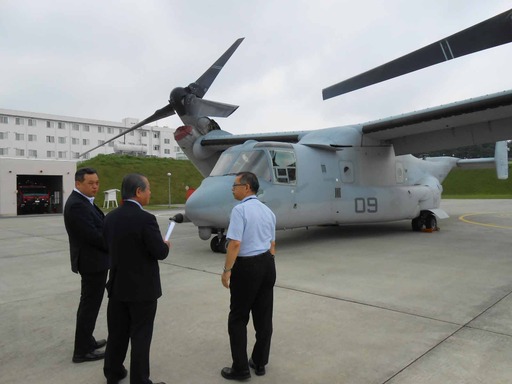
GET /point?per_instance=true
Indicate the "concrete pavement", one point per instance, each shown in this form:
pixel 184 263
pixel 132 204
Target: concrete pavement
pixel 362 304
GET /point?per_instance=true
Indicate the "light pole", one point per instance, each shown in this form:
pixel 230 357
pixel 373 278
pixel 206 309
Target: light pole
pixel 169 175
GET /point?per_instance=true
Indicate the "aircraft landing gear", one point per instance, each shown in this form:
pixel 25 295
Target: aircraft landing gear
pixel 218 244
pixel 426 222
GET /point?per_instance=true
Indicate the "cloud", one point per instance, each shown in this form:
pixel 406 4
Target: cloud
pixel 110 60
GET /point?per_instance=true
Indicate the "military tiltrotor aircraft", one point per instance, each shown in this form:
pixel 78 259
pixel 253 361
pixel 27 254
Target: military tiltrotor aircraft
pixel 362 173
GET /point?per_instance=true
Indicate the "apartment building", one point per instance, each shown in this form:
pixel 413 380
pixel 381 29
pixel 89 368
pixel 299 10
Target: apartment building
pixel 31 135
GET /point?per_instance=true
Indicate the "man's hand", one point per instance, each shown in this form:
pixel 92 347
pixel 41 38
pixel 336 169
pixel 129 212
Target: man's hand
pixel 225 278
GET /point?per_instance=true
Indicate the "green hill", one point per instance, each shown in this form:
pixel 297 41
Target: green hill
pixel 470 184
pixel 112 168
pixel 477 184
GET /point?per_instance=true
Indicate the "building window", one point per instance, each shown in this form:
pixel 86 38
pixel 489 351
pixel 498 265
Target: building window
pixel 4 120
pixel 75 127
pixel 32 123
pixel 86 128
pixel 156 135
pixel 61 125
pixel 101 129
pixel 50 139
pixel 62 140
pixel 75 141
pixel 20 152
pixel 4 151
pixel 100 142
pixel 156 147
pixel 20 136
pixel 32 137
pixel 32 153
pixel 50 154
pixel 50 124
pixel 111 144
pixel 110 130
pixel 143 133
pixel 19 121
pixel 62 154
pixel 167 151
pixel 76 155
pixel 85 141
pixel 167 141
pixel 3 135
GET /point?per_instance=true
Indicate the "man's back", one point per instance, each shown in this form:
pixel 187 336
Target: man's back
pixel 135 246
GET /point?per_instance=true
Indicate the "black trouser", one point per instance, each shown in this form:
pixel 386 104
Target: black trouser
pixel 91 296
pixel 129 321
pixel 251 286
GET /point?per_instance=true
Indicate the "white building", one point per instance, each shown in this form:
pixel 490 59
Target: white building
pixel 31 135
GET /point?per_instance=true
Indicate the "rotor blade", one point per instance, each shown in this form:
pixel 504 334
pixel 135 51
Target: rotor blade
pixel 206 80
pixel 201 107
pixel 159 114
pixel 487 34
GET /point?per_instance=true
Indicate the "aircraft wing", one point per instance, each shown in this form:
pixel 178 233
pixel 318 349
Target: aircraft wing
pixel 481 120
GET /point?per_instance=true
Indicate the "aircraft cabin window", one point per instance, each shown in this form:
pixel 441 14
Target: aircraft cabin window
pixel 283 166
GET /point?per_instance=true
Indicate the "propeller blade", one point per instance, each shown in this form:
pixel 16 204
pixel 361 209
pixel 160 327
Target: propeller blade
pixel 206 80
pixel 487 34
pixel 202 107
pixel 159 114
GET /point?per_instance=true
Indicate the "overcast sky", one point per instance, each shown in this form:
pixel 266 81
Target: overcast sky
pixel 108 60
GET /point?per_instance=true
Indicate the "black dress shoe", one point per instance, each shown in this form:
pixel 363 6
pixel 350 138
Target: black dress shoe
pixel 100 343
pixel 91 356
pixel 259 370
pixel 231 374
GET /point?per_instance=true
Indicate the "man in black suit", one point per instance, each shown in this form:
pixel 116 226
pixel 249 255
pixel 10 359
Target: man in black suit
pixel 89 257
pixel 135 245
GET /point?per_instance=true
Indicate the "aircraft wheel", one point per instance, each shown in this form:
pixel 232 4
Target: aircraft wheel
pixel 218 245
pixel 416 224
pixel 214 244
pixel 431 222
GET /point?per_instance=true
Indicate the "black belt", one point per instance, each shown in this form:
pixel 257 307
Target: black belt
pixel 248 258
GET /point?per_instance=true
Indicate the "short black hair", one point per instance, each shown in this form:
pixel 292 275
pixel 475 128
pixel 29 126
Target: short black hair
pixel 131 183
pixel 80 174
pixel 251 179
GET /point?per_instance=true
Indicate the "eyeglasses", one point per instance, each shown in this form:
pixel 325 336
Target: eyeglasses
pixel 238 185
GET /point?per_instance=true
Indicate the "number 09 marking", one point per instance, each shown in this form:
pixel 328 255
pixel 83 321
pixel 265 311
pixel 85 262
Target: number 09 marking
pixel 368 205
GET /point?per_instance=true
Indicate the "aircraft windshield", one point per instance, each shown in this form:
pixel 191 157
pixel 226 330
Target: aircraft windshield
pixel 231 163
pixel 283 162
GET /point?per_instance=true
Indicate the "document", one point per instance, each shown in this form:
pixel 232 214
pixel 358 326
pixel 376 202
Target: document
pixel 169 230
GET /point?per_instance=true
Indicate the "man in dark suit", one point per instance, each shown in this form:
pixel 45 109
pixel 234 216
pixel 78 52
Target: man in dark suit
pixel 89 257
pixel 135 245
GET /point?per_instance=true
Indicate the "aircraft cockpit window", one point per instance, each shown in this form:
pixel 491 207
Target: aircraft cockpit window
pixel 249 161
pixel 284 166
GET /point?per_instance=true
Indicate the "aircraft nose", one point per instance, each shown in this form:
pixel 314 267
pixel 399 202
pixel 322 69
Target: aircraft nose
pixel 210 205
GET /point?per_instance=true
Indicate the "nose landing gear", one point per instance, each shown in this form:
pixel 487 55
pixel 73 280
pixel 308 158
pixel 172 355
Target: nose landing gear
pixel 218 244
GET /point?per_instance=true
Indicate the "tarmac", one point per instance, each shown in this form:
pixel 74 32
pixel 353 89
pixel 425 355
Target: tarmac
pixel 366 304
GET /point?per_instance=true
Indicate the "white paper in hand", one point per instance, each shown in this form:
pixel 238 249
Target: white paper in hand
pixel 169 230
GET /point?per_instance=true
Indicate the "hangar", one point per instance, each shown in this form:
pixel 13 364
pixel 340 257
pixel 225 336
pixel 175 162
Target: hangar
pixel 34 186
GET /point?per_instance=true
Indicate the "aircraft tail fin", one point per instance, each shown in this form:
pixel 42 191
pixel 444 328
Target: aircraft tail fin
pixel 499 161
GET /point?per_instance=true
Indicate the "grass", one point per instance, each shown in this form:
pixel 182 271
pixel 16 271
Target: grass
pixel 476 184
pixel 112 168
